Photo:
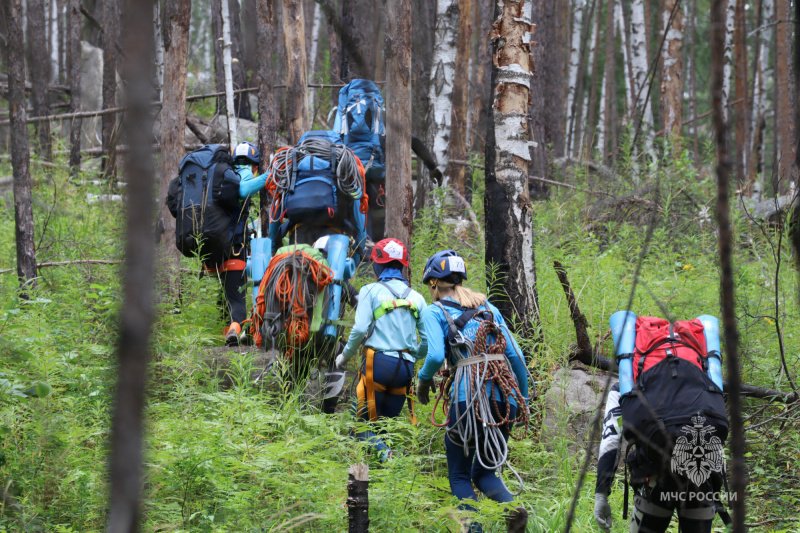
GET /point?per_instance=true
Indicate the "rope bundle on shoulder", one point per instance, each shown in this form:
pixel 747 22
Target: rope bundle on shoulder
pixel 481 424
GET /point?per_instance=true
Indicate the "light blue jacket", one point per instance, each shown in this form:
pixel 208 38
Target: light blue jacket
pixel 248 183
pixel 395 331
pixel 435 329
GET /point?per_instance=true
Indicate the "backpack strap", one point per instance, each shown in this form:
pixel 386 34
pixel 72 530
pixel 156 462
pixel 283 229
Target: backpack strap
pixel 400 301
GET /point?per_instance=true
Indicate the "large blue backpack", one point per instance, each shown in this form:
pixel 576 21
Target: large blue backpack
pixel 204 199
pixel 360 122
pixel 313 193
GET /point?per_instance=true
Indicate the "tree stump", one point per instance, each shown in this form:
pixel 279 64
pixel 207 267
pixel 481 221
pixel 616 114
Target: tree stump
pixel 358 498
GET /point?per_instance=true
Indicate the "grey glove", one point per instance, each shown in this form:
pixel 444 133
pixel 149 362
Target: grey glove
pixel 423 391
pixel 602 511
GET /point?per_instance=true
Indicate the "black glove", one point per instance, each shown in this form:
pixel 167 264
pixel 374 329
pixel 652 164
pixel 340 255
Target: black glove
pixel 423 391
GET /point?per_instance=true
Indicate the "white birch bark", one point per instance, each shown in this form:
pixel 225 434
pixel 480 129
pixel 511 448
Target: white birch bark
pixel 619 18
pixel 590 62
pixel 159 47
pixel 54 40
pixel 572 76
pixel 226 65
pixel 640 66
pixel 442 73
pixel 730 17
pixel 601 116
pixel 312 57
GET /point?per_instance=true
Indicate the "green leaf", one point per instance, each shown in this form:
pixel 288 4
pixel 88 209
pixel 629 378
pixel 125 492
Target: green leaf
pixel 38 389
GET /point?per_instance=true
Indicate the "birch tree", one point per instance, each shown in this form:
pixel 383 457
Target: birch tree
pixel 294 42
pixel 742 106
pixel 111 16
pixel 312 55
pixel 55 41
pixel 622 28
pixel 672 68
pixel 172 121
pixel 227 69
pixel 588 132
pixel 607 139
pixel 730 18
pixel 574 66
pixel 39 72
pixel 509 232
pixel 20 157
pixel 760 89
pixel 442 78
pixel 74 19
pixel 641 112
pixel 399 212
pixel 784 109
pixel 158 44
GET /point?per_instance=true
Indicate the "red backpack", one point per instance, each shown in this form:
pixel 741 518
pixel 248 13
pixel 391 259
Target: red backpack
pixel 657 338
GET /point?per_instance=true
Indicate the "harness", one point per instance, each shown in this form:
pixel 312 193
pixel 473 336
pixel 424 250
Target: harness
pixel 367 386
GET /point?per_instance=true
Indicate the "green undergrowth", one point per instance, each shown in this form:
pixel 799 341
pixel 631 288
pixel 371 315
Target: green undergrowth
pixel 253 459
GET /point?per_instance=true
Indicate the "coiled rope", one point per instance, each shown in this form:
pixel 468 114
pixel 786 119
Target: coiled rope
pixel 482 421
pixel 350 173
pixel 290 288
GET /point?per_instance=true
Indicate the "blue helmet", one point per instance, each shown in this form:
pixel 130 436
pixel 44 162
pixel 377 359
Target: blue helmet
pixel 246 151
pixel 445 264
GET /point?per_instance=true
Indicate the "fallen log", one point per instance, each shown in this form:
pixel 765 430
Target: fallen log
pixel 589 356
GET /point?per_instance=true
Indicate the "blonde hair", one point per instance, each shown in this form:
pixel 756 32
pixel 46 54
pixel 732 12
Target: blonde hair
pixel 464 296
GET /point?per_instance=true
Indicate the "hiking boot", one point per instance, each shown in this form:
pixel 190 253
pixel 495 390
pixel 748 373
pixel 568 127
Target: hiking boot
pixel 517 520
pixel 232 334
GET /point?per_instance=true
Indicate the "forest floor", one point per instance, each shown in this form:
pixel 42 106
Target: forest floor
pixel 223 455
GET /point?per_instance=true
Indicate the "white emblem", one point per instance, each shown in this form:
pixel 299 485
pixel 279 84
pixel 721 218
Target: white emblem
pixel 457 264
pixel 698 452
pixel 393 250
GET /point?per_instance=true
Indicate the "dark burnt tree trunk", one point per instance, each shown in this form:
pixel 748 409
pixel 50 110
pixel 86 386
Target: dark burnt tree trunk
pixel 456 169
pixel 731 334
pixel 359 22
pixel 786 98
pixel 422 53
pixel 20 157
pixel 509 234
pixel 399 212
pixel 610 112
pixel 242 103
pixel 136 312
pixel 742 108
pixel 552 35
pixel 74 20
pixel 111 22
pixel 267 113
pixel 480 78
pixel 539 161
pixel 294 44
pixel 39 72
pixel 250 43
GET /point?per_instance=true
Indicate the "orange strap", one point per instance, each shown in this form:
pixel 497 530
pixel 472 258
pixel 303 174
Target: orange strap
pixel 231 265
pixel 367 387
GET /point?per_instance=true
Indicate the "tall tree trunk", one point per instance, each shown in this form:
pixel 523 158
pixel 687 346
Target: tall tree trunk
pixel 596 81
pixel 574 69
pixel 542 36
pixel 730 22
pixel 251 48
pixel 23 204
pixel 609 99
pixel 641 113
pixel 74 20
pixel 358 52
pixel 230 109
pixel 39 73
pixel 173 124
pixel 242 103
pixel 442 78
pixel 742 105
pixel 312 59
pixel 690 7
pixel 294 41
pixel 267 112
pixel 421 58
pixel 63 68
pixel 111 34
pixel 760 93
pixel 136 312
pixel 53 41
pixel 727 297
pixel 627 60
pixel 457 146
pixel 786 98
pixel 399 213
pixel 672 68
pixel 158 45
pixel 480 74
pixel 509 233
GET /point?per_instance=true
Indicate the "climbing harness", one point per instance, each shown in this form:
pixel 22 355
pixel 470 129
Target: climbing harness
pixel 367 387
pixel 480 366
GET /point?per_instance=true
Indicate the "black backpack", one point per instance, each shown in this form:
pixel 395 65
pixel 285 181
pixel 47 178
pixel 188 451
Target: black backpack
pixel 204 199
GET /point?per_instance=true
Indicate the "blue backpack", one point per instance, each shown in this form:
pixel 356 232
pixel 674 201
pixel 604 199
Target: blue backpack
pixel 360 122
pixel 204 199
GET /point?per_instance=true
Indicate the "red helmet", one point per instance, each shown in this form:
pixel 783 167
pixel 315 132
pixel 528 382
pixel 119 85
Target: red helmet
pixel 389 250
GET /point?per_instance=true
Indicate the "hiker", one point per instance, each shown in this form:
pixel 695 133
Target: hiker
pixel 386 325
pixel 487 390
pixel 210 201
pixel 668 406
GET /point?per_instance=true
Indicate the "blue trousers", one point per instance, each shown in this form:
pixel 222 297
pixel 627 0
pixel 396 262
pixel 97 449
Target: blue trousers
pixel 391 372
pixel 464 470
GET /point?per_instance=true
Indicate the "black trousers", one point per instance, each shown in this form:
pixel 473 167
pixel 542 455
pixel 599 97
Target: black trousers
pixel 234 284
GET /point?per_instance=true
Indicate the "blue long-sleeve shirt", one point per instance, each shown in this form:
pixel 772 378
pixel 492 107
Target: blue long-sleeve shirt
pixel 248 183
pixel 395 331
pixel 435 329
